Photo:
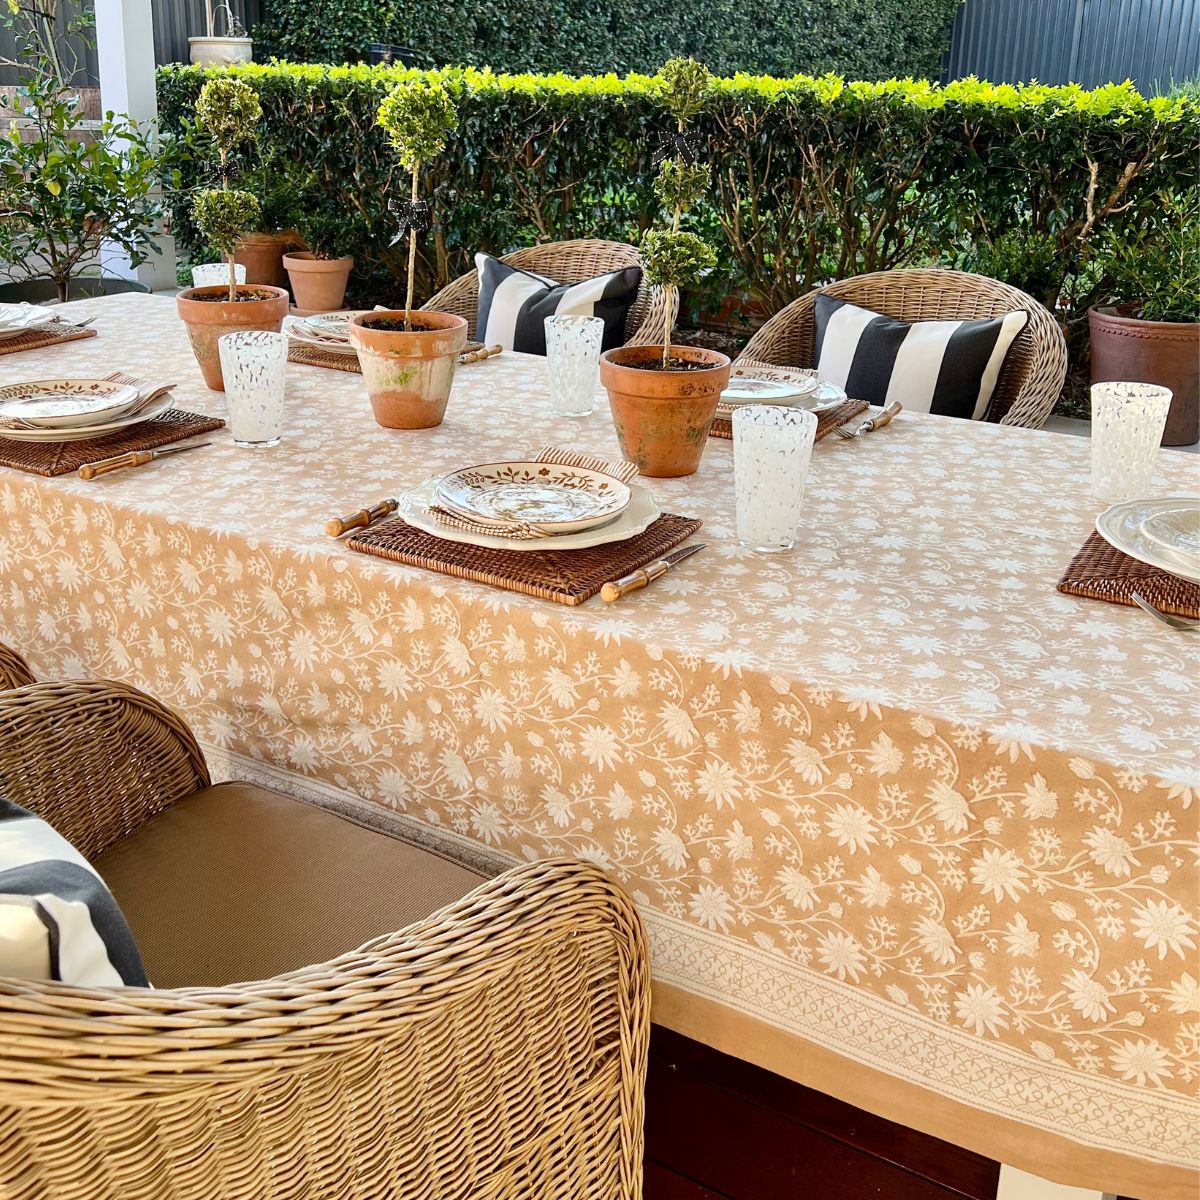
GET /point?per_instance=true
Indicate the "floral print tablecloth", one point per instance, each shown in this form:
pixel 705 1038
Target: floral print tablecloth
pixel 905 823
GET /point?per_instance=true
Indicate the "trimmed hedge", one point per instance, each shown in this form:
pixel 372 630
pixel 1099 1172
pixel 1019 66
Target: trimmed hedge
pixel 814 178
pixel 866 39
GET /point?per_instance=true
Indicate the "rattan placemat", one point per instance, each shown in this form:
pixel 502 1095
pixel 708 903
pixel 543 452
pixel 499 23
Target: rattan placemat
pixel 565 576
pixel 49 335
pixel 827 421
pixel 59 458
pixel 314 356
pixel 1102 572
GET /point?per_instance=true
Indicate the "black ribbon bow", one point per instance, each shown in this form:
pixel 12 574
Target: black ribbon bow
pixel 683 144
pixel 415 215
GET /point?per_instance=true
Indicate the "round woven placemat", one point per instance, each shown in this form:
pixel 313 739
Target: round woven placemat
pixel 1102 572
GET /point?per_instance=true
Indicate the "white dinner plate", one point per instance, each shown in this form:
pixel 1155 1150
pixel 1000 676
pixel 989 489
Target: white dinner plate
pixel 16 319
pixel 638 516
pixel 555 498
pixel 1123 526
pixel 296 329
pixel 156 409
pixel 332 324
pixel 789 387
pixel 1177 528
pixel 66 403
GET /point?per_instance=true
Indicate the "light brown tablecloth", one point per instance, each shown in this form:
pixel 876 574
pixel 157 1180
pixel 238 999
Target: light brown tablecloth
pixel 906 824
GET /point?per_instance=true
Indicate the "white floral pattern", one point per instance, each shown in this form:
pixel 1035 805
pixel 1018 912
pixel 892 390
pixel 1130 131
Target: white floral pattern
pixel 895 761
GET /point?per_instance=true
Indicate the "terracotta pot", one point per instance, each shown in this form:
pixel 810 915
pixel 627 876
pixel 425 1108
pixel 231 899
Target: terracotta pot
pixel 663 417
pixel 1162 352
pixel 208 320
pixel 408 375
pixel 319 284
pixel 262 256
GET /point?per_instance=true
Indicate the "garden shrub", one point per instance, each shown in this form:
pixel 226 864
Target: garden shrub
pixel 865 39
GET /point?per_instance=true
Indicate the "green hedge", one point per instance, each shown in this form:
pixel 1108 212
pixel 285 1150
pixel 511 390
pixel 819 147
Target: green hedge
pixel 866 39
pixel 815 178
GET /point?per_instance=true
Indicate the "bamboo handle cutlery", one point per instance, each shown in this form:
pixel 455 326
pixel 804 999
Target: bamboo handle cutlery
pixel 361 519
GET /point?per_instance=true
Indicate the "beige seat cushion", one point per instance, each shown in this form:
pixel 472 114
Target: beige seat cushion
pixel 237 883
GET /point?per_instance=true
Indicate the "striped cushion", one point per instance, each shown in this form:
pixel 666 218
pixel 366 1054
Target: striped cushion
pixel 514 304
pixel 944 367
pixel 57 919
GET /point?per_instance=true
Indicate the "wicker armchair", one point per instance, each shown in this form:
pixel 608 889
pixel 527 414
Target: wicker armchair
pixel 569 262
pixel 1031 380
pixel 14 670
pixel 495 1049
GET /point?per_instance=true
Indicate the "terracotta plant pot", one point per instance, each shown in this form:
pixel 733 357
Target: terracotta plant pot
pixel 262 256
pixel 208 320
pixel 663 417
pixel 1163 352
pixel 318 284
pixel 408 375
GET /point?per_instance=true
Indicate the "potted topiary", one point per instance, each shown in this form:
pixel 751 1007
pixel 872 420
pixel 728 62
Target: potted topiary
pixel 1149 332
pixel 227 111
pixel 408 358
pixel 663 397
pixel 319 274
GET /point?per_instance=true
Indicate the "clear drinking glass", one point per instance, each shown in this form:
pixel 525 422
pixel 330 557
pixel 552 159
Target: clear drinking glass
pixel 572 362
pixel 254 364
pixel 1127 427
pixel 772 447
pixel 208 274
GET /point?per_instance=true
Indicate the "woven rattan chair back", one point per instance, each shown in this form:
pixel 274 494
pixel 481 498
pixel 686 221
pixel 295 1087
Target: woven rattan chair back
pixel 1031 380
pixel 496 1050
pixel 14 670
pixel 567 262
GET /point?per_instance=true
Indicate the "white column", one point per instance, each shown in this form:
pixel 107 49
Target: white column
pixel 125 48
pixel 1020 1185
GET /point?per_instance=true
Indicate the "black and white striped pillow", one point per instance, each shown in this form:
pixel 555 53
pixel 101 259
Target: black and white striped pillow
pixel 514 304
pixel 945 367
pixel 57 919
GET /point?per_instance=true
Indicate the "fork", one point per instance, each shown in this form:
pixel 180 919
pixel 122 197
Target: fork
pixel 877 422
pixel 1168 619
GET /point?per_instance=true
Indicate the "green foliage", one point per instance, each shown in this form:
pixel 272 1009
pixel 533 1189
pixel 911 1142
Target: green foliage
pixel 675 259
pixel 223 215
pixel 64 189
pixel 684 85
pixel 418 116
pixel 1028 259
pixel 679 184
pixel 322 233
pixel 1155 266
pixel 227 112
pixel 863 39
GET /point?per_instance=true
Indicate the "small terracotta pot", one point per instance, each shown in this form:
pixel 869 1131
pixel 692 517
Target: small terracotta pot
pixel 662 417
pixel 208 320
pixel 408 375
pixel 262 255
pixel 1163 352
pixel 319 284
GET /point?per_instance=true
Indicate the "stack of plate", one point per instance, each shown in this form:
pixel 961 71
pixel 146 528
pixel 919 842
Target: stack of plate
pixel 16 319
pixel 787 386
pixel 571 507
pixel 72 410
pixel 1163 533
pixel 328 331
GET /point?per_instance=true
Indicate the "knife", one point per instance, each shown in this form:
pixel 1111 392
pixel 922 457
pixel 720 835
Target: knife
pixel 336 526
pixel 135 458
pixel 647 574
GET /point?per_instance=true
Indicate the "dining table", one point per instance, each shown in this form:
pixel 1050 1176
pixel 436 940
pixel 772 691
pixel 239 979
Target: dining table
pixel 905 823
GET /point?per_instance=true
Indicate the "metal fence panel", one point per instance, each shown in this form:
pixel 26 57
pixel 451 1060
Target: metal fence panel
pixel 1090 42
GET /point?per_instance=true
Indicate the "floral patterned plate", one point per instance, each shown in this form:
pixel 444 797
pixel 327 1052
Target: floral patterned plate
pixel 554 498
pixel 1124 526
pixel 298 329
pixel 82 433
pixel 65 403
pixel 791 387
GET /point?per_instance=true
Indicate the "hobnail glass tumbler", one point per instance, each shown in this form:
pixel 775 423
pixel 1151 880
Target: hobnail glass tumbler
pixel 254 364
pixel 772 447
pixel 1127 428
pixel 572 362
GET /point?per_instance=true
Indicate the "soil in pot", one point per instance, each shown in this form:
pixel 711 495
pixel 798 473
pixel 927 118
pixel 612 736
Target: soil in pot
pixel 672 364
pixel 408 373
pixel 209 314
pixel 662 418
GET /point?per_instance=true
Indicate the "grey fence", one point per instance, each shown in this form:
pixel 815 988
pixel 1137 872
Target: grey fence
pixel 174 22
pixel 1156 43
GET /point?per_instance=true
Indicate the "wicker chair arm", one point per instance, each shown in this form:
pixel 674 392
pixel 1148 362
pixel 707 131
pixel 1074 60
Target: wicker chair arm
pixel 460 298
pixel 94 758
pixel 14 670
pixel 650 332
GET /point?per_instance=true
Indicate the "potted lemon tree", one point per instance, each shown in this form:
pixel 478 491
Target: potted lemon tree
pixel 663 398
pixel 408 357
pixel 227 112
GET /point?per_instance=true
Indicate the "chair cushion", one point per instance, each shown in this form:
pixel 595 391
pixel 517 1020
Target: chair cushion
pixel 57 919
pixel 514 304
pixel 238 883
pixel 945 367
